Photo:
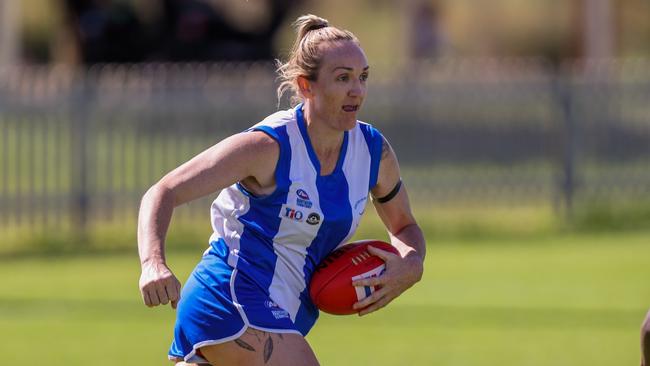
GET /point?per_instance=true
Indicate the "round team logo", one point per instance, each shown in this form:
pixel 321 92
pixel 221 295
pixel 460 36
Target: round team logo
pixel 313 218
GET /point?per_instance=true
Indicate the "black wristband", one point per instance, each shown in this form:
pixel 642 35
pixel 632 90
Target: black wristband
pixel 392 193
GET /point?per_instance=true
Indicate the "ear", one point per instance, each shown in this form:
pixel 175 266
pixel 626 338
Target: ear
pixel 304 86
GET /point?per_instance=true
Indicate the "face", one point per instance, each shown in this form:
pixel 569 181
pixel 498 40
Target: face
pixel 340 87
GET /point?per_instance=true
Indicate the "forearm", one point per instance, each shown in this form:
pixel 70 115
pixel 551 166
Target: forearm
pixel 154 217
pixel 411 245
pixel 409 241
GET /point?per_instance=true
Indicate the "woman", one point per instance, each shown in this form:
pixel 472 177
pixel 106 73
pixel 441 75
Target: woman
pixel 293 188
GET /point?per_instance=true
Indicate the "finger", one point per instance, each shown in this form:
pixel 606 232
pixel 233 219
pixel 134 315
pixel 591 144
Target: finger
pixel 166 298
pixel 162 294
pixel 146 298
pixel 172 292
pixel 374 307
pixel 177 286
pixel 153 298
pixel 378 294
pixel 370 281
pixel 383 254
pixel 153 295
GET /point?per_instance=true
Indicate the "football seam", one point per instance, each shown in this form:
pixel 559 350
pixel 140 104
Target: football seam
pixel 317 295
pixel 350 263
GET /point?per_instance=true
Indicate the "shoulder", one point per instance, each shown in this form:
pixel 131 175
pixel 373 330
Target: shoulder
pixel 250 153
pixel 372 137
pixel 366 127
pixel 370 133
pixel 277 119
pixel 253 145
pixel 275 126
pixel 256 142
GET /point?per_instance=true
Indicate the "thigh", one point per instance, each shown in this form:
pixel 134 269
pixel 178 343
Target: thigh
pixel 259 348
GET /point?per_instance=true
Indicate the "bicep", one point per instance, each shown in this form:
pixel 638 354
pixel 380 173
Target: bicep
pixel 396 212
pixel 231 160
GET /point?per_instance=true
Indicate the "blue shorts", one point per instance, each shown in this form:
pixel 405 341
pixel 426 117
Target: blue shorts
pixel 209 313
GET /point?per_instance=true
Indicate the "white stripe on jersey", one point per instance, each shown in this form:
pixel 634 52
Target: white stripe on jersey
pixel 229 205
pixel 356 168
pixel 291 241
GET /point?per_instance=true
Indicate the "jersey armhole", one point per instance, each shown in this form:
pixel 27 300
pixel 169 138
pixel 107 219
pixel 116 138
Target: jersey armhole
pixel 281 168
pixel 374 140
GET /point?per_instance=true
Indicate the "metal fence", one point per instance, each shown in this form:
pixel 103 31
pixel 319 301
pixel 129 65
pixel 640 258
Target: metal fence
pixel 77 147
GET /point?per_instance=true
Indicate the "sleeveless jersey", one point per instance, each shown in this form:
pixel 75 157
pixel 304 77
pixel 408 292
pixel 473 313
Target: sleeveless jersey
pixel 275 242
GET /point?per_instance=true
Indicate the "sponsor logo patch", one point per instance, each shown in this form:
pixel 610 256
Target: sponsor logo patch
pixel 360 205
pixel 303 203
pixel 293 214
pixel 313 218
pixel 303 199
pixel 276 310
pixel 302 194
pixel 280 314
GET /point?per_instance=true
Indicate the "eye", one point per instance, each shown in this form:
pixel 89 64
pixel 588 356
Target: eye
pixel 363 76
pixel 343 77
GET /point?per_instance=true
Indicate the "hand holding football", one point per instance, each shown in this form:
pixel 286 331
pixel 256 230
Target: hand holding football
pixel 331 286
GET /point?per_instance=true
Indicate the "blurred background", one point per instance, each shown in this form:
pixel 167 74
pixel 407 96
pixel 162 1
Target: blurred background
pixel 522 129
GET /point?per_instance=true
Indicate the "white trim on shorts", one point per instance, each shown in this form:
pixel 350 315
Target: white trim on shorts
pixel 210 342
pixel 243 315
pixel 247 324
pixel 235 302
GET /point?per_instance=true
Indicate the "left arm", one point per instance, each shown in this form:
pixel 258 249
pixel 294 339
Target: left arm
pixel 404 270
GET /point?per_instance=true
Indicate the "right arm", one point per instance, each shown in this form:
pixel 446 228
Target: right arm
pixel 248 156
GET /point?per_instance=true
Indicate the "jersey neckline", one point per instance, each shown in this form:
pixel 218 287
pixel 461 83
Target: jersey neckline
pixel 302 126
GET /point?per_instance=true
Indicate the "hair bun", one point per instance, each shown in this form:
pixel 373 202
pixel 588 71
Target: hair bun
pixel 306 57
pixel 307 23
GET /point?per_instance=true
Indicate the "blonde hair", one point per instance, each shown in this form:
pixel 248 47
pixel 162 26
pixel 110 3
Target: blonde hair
pixel 306 57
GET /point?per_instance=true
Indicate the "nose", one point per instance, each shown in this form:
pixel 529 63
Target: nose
pixel 357 89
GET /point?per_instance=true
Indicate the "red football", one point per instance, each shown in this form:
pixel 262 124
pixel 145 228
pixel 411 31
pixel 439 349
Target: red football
pixel 331 285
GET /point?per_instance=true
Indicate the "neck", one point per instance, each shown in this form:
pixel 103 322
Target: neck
pixel 323 137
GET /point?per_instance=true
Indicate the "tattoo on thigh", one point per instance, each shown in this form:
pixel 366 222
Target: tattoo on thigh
pixel 259 335
pixel 254 332
pixel 268 349
pixel 244 345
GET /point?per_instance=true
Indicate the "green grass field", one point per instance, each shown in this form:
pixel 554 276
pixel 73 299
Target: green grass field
pixel 564 299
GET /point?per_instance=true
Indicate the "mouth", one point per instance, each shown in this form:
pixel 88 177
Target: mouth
pixel 350 108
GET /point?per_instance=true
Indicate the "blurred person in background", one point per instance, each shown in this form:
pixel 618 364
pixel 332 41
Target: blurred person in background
pixel 106 31
pixel 292 189
pixel 199 31
pixel 426 41
pixel 171 30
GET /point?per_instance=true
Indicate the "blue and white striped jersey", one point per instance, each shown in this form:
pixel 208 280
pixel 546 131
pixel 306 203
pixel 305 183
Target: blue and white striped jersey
pixel 275 242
